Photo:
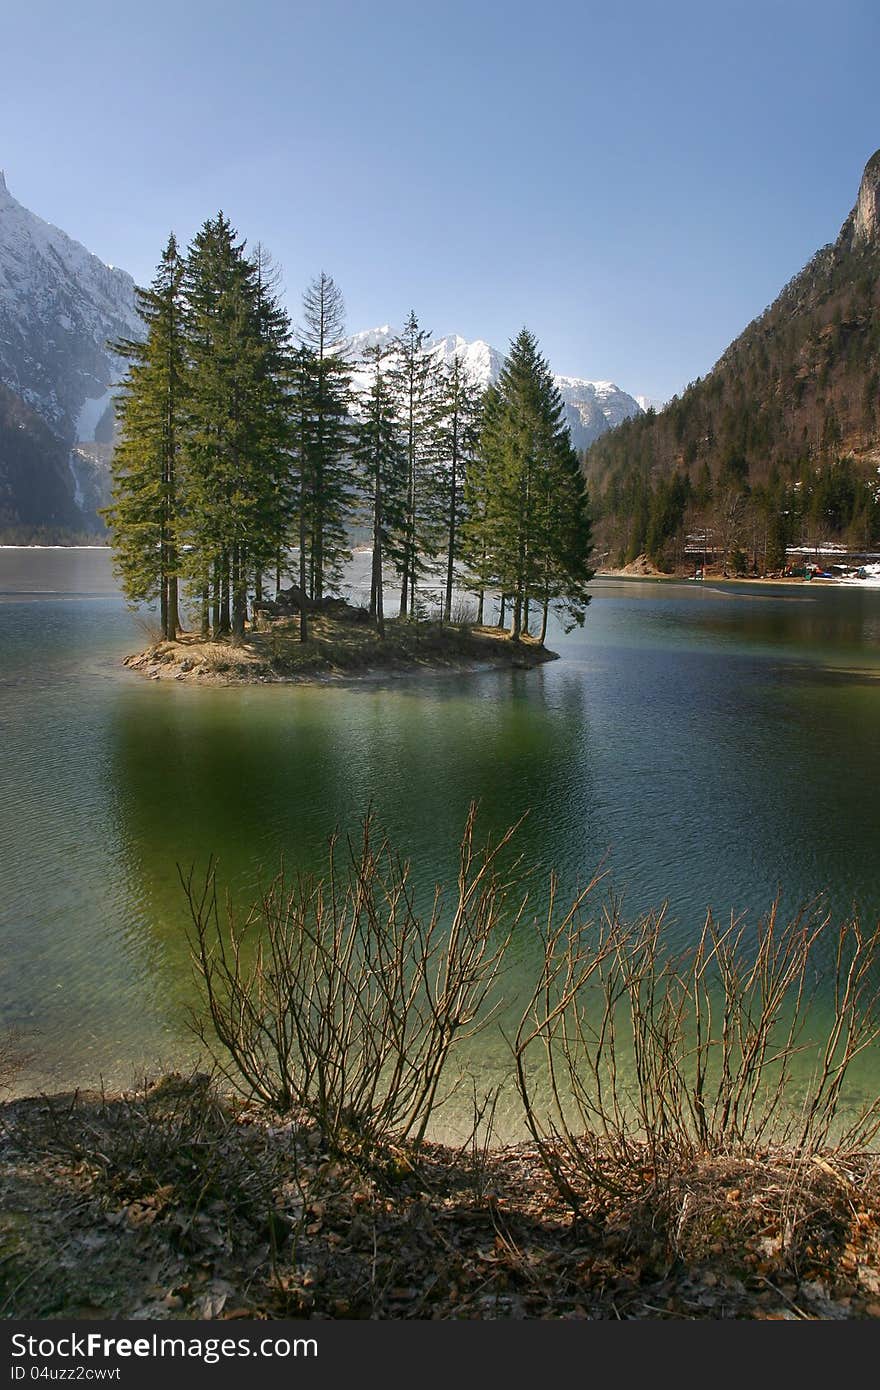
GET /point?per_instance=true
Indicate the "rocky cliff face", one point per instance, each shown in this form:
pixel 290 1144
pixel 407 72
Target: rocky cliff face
pixel 863 223
pixel 59 308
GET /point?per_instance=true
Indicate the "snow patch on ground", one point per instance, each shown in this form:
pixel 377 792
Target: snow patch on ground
pixel 78 494
pixel 90 416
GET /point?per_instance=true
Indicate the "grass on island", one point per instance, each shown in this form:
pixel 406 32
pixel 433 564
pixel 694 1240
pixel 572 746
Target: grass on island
pixel 336 646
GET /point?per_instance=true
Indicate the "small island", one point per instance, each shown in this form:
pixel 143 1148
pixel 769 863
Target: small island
pixel 248 453
pixel 342 645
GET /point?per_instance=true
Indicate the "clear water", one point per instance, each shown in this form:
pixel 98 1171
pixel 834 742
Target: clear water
pixel 709 744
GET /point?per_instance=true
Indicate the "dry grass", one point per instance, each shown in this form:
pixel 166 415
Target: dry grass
pixel 103 1214
pixel 336 647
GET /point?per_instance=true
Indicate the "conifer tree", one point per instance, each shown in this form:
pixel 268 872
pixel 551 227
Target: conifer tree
pixel 382 461
pixel 144 514
pixel 326 396
pixel 237 419
pixel 275 427
pixel 533 524
pixel 300 386
pixel 477 550
pixel 456 435
pixel 413 380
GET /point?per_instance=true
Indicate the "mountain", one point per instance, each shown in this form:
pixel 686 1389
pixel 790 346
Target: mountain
pixel 786 425
pixel 59 306
pixel 591 407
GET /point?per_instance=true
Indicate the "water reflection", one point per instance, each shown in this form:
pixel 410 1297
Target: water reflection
pixel 708 745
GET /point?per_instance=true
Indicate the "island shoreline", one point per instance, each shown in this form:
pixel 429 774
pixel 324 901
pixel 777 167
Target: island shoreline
pixel 338 652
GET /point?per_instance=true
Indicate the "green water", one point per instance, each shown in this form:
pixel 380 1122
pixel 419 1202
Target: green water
pixel 709 744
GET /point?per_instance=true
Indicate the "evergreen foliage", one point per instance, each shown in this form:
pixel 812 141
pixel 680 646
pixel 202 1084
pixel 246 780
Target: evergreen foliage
pixel 413 381
pixel 457 423
pixel 529 527
pixel 144 517
pixel 237 424
pixel 381 456
pixel 325 403
pixel 236 445
pixel 775 446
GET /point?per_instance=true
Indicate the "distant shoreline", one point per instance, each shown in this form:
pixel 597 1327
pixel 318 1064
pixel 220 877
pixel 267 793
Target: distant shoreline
pixel 54 547
pixel 745 579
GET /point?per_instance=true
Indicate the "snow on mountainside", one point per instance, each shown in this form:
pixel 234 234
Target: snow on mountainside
pixel 59 306
pixel 651 403
pixel 591 407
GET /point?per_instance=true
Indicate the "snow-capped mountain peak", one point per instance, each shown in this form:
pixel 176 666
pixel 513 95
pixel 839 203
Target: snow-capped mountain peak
pixel 59 305
pixel 591 407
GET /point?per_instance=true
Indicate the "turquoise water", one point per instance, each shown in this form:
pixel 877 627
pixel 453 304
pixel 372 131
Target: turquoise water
pixel 707 744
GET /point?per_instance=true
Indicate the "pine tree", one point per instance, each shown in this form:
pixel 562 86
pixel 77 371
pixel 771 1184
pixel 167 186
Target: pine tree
pixel 326 398
pixel 300 389
pixel 456 436
pixel 381 458
pixel 565 541
pixel 413 380
pixel 534 529
pixel 144 514
pixel 237 420
pixel 477 550
pixel 275 427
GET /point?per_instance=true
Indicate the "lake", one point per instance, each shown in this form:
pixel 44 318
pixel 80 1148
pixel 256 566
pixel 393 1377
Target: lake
pixel 709 744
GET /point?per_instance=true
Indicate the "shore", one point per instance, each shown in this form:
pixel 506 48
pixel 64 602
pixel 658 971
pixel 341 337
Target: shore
pixel 648 574
pixel 338 651
pixel 170 1202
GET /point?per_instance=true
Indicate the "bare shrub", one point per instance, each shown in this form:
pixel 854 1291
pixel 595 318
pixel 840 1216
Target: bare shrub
pixel 650 1060
pixel 336 998
pixel 464 610
pixel 149 626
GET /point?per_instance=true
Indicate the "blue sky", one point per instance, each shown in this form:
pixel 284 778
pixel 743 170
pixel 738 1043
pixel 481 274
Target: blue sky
pixel 634 182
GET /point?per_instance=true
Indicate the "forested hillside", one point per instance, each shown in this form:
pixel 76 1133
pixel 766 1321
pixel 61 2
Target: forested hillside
pixel 780 443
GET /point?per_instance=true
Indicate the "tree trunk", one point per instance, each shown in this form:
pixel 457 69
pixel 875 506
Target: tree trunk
pixel 303 619
pixel 544 614
pixel 239 593
pixel 480 604
pixel 163 597
pixel 450 559
pixel 404 586
pixel 225 623
pixel 377 601
pixel 206 615
pixel 516 629
pixel 215 600
pixel 503 611
pixel 173 603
